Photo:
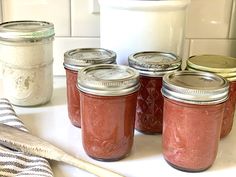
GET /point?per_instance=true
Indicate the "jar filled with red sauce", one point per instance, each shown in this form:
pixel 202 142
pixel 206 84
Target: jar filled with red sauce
pixel 108 96
pixel 193 111
pixel 152 66
pixel 225 67
pixel 74 60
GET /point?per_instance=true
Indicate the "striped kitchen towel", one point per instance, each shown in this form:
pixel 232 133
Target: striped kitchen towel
pixel 15 163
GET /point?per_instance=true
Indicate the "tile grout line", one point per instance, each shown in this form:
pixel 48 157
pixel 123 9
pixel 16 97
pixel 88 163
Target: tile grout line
pixel 79 37
pixel 230 18
pixel 1 9
pixel 189 46
pixel 70 7
pixel 226 38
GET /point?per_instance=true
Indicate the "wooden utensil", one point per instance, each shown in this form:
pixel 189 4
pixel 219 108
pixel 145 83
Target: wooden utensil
pixel 22 141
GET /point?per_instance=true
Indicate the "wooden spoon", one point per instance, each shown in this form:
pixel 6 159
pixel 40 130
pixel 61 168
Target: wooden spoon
pixel 22 141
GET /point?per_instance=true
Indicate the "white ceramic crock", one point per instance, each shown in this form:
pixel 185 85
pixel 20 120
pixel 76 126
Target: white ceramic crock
pixel 129 26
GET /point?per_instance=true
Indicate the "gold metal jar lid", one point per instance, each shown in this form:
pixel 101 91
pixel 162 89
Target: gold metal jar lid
pixel 221 65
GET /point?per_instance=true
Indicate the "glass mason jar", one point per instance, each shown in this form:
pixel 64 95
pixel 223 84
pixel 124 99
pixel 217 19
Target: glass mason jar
pixel 26 55
pixel 152 66
pixel 108 96
pixel 74 60
pixel 225 67
pixel 194 105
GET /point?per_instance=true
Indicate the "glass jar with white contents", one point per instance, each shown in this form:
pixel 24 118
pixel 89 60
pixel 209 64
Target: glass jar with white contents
pixel 26 55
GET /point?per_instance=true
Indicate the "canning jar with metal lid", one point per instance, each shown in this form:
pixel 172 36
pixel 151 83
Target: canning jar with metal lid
pixel 193 111
pixel 108 96
pixel 26 55
pixel 152 65
pixel 74 60
pixel 225 67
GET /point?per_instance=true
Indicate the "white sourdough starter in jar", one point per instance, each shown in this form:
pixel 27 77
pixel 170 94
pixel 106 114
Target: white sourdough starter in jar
pixel 26 55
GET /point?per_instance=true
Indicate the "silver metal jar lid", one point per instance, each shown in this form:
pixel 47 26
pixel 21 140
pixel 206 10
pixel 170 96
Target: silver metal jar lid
pixel 154 63
pixel 28 31
pixel 195 87
pixel 82 57
pixel 108 80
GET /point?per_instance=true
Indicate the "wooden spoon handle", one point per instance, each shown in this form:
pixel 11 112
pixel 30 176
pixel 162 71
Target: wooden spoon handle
pixel 92 168
pixel 25 142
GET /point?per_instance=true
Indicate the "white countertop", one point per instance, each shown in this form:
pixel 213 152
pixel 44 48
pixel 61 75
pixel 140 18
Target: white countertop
pixel 51 123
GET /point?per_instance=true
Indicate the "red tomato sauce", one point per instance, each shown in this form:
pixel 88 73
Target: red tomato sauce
pixel 149 115
pixel 191 134
pixel 73 99
pixel 108 125
pixel 228 118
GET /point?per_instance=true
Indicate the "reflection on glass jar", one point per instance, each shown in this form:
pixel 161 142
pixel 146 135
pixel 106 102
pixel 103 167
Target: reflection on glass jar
pixel 108 96
pixel 194 105
pixel 152 66
pixel 74 60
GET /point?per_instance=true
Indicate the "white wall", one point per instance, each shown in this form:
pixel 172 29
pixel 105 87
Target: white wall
pixel 211 25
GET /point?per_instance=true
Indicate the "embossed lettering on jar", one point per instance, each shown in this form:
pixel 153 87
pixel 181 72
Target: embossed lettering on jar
pixel 152 66
pixel 225 67
pixel 74 60
pixel 26 54
pixel 194 105
pixel 108 96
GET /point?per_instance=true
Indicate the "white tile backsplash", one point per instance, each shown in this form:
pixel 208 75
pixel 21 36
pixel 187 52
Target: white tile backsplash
pixel 94 6
pixel 0 11
pixel 209 19
pixel 185 52
pixel 213 46
pixel 232 33
pixel 211 27
pixel 84 21
pixel 57 12
pixel 63 44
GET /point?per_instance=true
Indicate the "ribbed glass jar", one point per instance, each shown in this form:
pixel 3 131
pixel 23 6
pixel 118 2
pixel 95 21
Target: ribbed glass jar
pixel 152 66
pixel 26 55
